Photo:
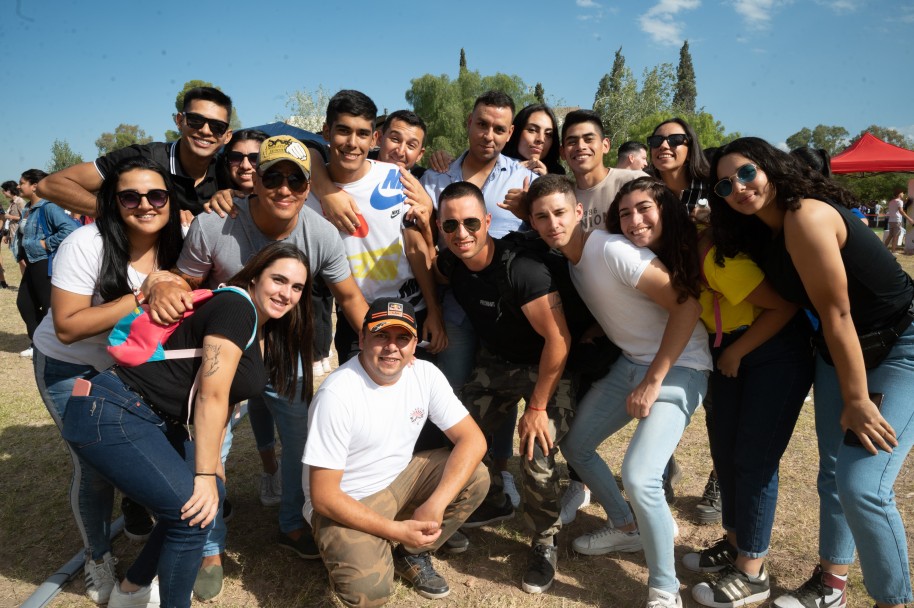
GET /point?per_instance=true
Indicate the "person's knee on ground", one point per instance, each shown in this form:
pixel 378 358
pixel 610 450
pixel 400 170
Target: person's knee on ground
pixel 370 589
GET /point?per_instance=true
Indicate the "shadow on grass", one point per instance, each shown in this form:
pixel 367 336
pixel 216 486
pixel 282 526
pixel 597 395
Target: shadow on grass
pixel 13 342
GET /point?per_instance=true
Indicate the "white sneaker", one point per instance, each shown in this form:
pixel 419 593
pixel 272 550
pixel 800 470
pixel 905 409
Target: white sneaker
pixel 325 364
pixel 607 540
pixel 145 597
pixel 511 488
pixel 575 498
pixel 27 353
pixel 317 369
pixel 661 599
pixel 271 488
pixel 100 578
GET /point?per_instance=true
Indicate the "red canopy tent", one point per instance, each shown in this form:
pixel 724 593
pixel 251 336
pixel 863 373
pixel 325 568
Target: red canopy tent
pixel 872 155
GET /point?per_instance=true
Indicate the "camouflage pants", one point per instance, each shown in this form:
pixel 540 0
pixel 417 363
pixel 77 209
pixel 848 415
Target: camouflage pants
pixel 360 564
pixel 494 388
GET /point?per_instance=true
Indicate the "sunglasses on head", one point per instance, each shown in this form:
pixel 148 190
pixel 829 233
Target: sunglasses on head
pixel 236 158
pixel 130 199
pixel 744 174
pixel 196 121
pixel 472 224
pixel 675 140
pixel 274 179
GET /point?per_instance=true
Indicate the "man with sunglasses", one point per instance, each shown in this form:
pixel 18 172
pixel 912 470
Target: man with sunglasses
pixel 217 247
pixel 204 129
pixel 596 185
pixel 514 305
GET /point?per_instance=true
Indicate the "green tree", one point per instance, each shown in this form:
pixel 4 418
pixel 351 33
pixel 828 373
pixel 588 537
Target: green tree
pixel 686 90
pixel 710 131
pixel 627 105
pixel 832 139
pixel 445 104
pixel 62 156
pixel 463 60
pixel 171 134
pixel 124 135
pixel 539 93
pixel 888 135
pixel 308 109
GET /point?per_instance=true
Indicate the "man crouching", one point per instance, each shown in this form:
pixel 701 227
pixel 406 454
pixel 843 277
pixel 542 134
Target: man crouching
pixel 364 487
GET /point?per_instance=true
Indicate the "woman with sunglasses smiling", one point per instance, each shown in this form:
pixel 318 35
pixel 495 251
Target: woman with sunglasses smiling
pixel 798 226
pixel 678 160
pixel 100 274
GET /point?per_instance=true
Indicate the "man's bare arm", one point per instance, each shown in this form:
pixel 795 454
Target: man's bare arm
pixel 73 188
pixel 350 298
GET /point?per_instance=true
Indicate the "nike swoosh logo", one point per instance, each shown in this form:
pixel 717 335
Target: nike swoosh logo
pixel 381 202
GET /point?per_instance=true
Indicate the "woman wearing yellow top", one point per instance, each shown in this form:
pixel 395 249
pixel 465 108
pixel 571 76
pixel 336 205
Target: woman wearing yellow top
pixel 763 368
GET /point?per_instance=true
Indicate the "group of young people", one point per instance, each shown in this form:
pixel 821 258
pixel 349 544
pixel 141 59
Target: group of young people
pixel 614 295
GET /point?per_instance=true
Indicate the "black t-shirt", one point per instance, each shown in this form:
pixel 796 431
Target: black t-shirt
pixel 168 155
pixel 878 288
pixel 497 318
pixel 167 384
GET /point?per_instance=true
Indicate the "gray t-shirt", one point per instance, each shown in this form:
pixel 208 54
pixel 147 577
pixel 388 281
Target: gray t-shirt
pixel 217 248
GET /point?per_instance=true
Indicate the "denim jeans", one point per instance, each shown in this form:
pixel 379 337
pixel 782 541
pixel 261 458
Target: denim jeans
pixel 856 489
pixel 292 424
pixel 754 417
pixel 600 414
pixel 262 425
pixel 149 459
pixel 215 540
pixel 91 495
pixel 457 360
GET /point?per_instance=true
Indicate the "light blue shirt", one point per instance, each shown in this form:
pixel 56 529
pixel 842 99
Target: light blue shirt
pixel 506 174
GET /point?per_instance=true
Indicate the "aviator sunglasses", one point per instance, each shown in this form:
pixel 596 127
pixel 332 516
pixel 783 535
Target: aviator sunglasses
pixel 675 140
pixel 130 199
pixel 236 158
pixel 274 179
pixel 472 224
pixel 744 174
pixel 196 121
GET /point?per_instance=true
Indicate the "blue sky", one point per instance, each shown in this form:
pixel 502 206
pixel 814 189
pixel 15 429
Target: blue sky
pixel 74 69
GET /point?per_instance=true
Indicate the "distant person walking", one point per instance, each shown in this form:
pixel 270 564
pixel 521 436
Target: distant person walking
pixel 893 214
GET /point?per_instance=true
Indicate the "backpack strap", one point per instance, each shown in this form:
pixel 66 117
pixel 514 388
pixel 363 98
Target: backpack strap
pixel 718 322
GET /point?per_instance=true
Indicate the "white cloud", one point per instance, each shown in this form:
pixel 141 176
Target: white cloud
pixel 758 13
pixel 659 24
pixel 907 14
pixel 595 10
pixel 782 145
pixel 907 131
pixel 586 4
pixel 842 6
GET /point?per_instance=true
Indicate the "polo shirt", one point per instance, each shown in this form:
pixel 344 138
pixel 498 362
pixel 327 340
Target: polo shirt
pixel 189 196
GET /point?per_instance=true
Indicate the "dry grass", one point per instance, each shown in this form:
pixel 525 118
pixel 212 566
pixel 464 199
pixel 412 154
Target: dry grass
pixel 38 534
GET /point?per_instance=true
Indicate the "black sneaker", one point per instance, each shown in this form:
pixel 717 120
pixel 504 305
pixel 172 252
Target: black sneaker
pixel 540 569
pixel 708 508
pixel 138 523
pixel 418 571
pixel 304 547
pixel 822 590
pixel 713 559
pixel 487 513
pixel 733 588
pixel 671 476
pixel 457 543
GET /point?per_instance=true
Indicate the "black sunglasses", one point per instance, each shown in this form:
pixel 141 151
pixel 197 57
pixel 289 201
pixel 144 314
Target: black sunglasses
pixel 196 121
pixel 274 179
pixel 675 140
pixel 744 175
pixel 236 158
pixel 130 199
pixel 472 224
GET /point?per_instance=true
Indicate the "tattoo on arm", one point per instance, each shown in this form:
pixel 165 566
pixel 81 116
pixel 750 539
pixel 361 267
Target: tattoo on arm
pixel 555 300
pixel 210 359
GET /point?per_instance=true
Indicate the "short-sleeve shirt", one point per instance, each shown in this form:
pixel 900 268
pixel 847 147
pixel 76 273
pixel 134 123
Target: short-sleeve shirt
pixel 369 431
pixel 497 318
pixel 217 248
pixel 596 200
pixel 733 282
pixel 167 384
pixel 190 196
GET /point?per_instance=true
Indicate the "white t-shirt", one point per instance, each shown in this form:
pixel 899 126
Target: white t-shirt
pixel 375 251
pixel 369 431
pixel 606 277
pixel 77 265
pixel 893 213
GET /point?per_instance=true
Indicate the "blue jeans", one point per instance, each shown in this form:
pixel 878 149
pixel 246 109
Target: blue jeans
pixel 292 424
pixel 91 495
pixel 457 360
pixel 753 420
pixel 856 489
pixel 600 414
pixel 215 540
pixel 262 425
pixel 151 460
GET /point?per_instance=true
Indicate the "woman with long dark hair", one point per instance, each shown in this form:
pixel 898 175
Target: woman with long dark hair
pixel 533 141
pixel 100 273
pixel 799 228
pixel 677 159
pixel 129 424
pixel 641 282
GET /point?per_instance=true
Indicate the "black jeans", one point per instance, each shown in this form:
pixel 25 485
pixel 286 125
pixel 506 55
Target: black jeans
pixel 34 299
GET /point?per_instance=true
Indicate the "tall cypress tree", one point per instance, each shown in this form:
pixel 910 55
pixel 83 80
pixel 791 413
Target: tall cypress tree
pixel 463 60
pixel 539 93
pixel 684 98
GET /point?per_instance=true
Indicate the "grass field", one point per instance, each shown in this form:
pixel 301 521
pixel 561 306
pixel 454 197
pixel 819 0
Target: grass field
pixel 39 535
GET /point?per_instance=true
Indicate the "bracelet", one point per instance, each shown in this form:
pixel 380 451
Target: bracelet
pixel 139 297
pixel 204 474
pixel 536 409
